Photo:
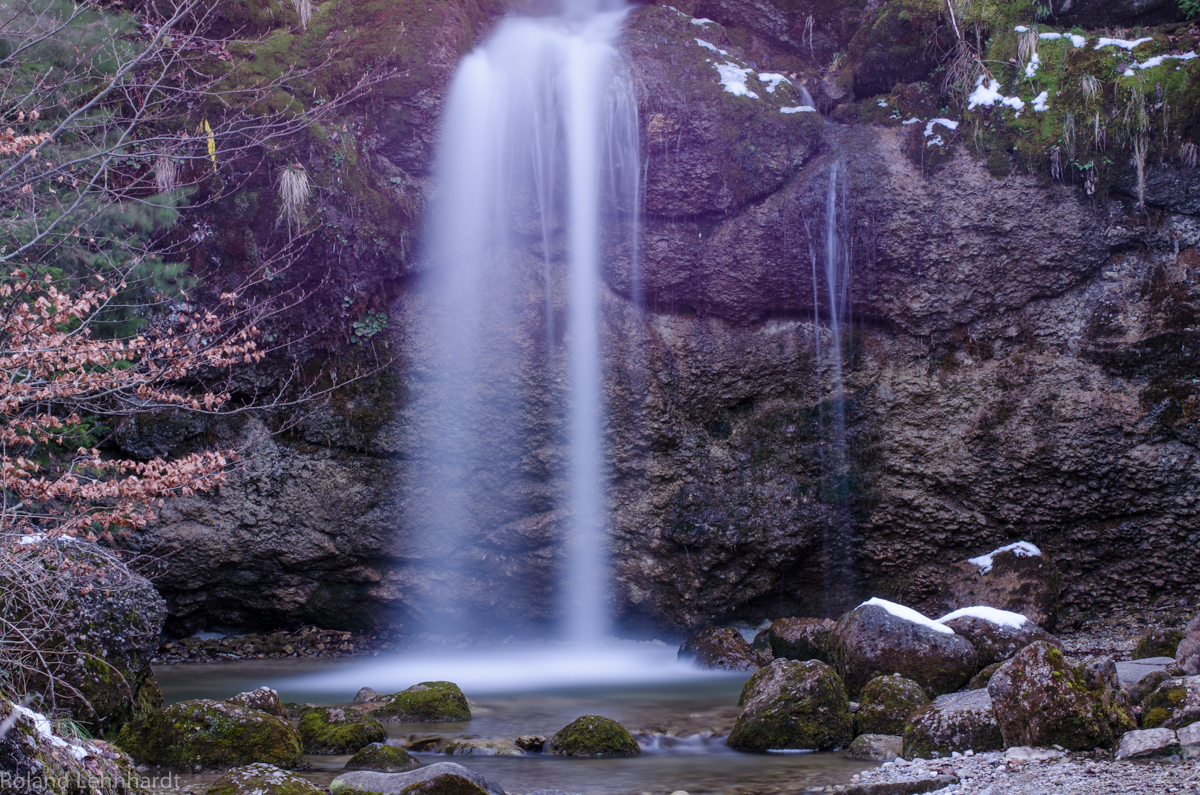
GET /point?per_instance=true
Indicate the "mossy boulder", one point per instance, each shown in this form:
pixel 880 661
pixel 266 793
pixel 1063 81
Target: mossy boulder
pixel 202 735
pixel 801 638
pixel 443 778
pixel 995 642
pixel 476 747
pixel 869 642
pixel 721 648
pixel 886 703
pixel 1158 643
pixel 263 699
pixel 953 722
pixel 382 758
pixel 262 779
pixel 1174 704
pixel 876 747
pixel 1042 700
pixel 791 705
pixel 981 679
pixel 592 735
pixel 427 702
pixel 338 731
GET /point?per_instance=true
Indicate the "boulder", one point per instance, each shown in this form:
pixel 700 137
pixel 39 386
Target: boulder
pixel 791 704
pixel 1174 704
pixel 1041 700
pixel 1147 744
pixel 382 758
pixel 367 696
pixel 1158 643
pixel 801 638
pixel 101 638
pixel 427 702
pixel 263 699
pixel 981 679
pixel 533 743
pixel 996 634
pixel 1139 678
pixel 31 751
pixel 721 648
pixel 481 748
pixel 877 747
pixel 886 703
pixel 201 735
pixel 953 722
pixel 1189 737
pixel 443 778
pixel 592 735
pixel 262 779
pixel 872 641
pixel 339 731
pixel 1017 578
pixel 1188 653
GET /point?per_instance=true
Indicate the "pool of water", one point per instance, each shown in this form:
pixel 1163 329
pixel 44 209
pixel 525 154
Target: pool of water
pixel 679 716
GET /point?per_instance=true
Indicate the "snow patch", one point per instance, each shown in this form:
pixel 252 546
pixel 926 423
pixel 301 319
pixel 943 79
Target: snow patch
pixel 1077 40
pixel 36 538
pixel 1158 60
pixel 710 46
pixel 733 77
pixel 883 103
pixel 702 22
pixel 990 95
pixel 1050 36
pixel 1022 549
pixel 772 80
pixel 1123 43
pixel 934 141
pixel 1034 62
pixel 947 123
pixel 1002 618
pixel 799 109
pixel 908 614
pixel 1039 102
pixel 913 120
pixel 1021 29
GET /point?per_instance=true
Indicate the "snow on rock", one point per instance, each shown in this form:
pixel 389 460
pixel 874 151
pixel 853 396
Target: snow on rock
pixel 702 22
pixel 772 80
pixel 990 95
pixel 1022 549
pixel 1021 29
pixel 1050 36
pixel 1124 43
pixel 799 109
pixel 934 141
pixel 1003 618
pixel 1034 62
pixel 947 123
pixel 908 614
pixel 1158 60
pixel 710 46
pixel 733 77
pixel 1077 40
pixel 913 120
pixel 1039 102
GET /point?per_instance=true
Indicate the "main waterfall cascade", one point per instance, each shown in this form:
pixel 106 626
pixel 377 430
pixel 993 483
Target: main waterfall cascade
pixel 537 165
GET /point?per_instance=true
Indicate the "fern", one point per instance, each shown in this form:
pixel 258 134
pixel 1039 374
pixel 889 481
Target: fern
pixel 1190 8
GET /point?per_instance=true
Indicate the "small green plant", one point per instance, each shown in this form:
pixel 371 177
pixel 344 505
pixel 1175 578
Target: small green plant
pixel 1190 8
pixel 371 324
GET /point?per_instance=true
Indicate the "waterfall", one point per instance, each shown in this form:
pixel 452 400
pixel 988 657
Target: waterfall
pixel 537 165
pixel 837 536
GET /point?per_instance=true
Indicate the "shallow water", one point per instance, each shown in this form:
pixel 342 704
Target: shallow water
pixel 678 715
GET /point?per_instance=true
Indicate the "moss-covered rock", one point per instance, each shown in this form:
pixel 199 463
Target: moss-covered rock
pixel 886 703
pixel 1174 704
pixel 899 44
pixel 382 758
pixel 427 702
pixel 338 731
pixel 869 642
pixel 1158 643
pixel 995 642
pixel 475 747
pixel 981 679
pixel 592 735
pixel 789 705
pixel 801 638
pixel 263 699
pixel 199 735
pixel 262 779
pixel 876 747
pixel 443 778
pixel 953 722
pixel 1041 700
pixel 721 648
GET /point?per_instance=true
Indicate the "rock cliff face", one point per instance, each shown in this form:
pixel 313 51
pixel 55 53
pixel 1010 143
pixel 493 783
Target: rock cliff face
pixel 1023 363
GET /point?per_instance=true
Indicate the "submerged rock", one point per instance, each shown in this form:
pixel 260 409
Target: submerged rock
pixel 886 703
pixel 592 735
pixel 721 648
pixel 262 779
pixel 443 778
pixel 1174 704
pixel 264 699
pixel 953 722
pixel 202 735
pixel 382 758
pixel 1041 700
pixel 427 702
pixel 338 731
pixel 801 638
pixel 997 635
pixel 790 704
pixel 877 747
pixel 869 641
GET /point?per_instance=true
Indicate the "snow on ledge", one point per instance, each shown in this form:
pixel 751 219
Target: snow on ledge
pixel 1022 549
pixel 1001 618
pixel 799 109
pixel 908 614
pixel 1124 43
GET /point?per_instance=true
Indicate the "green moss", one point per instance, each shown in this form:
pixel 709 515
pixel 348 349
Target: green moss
pixel 1160 705
pixel 338 731
pixel 592 735
pixel 886 703
pixel 382 758
pixel 211 734
pixel 262 779
pixel 427 702
pixel 791 705
pixel 1159 643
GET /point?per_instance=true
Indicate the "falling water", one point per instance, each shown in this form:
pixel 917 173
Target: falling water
pixel 539 156
pixel 837 541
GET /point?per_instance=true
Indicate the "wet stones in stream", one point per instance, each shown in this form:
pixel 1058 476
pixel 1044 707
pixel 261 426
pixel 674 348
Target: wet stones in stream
pixel 443 778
